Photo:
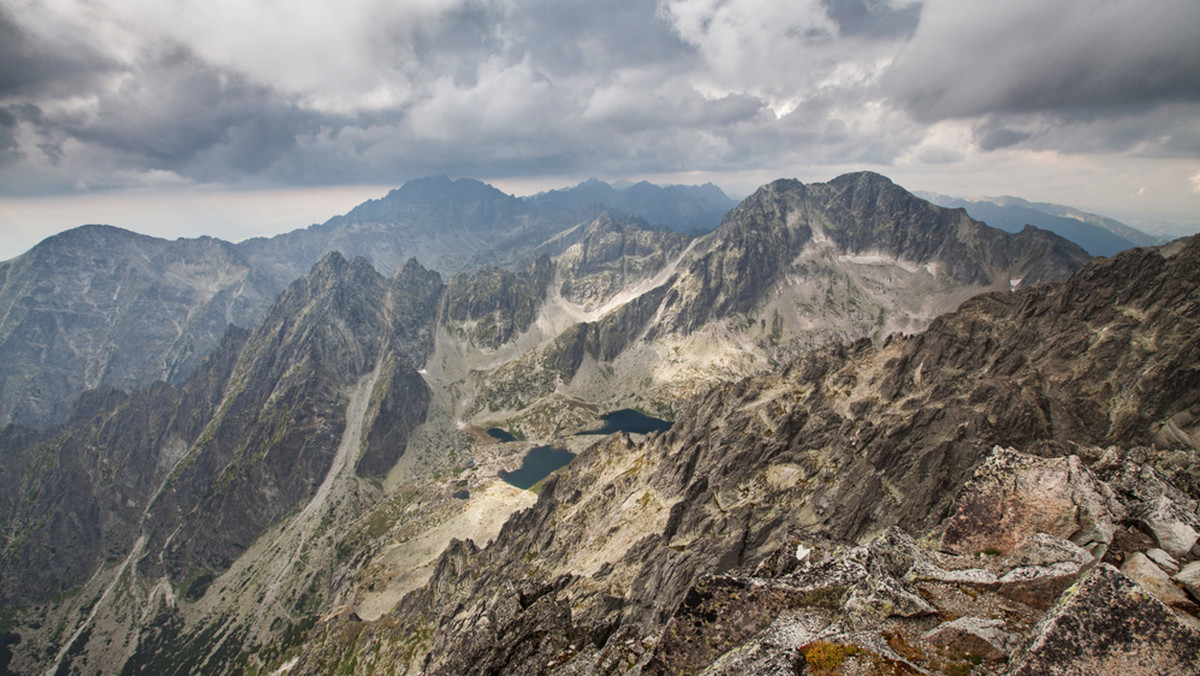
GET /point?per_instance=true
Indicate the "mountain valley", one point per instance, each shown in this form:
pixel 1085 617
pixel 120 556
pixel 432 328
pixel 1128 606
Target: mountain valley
pixel 298 466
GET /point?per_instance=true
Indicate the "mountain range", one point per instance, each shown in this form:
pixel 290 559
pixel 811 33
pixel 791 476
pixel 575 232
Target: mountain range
pixel 302 464
pixel 1098 235
pixel 98 305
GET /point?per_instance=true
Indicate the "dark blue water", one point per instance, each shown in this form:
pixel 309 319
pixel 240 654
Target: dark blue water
pixel 629 420
pixel 539 462
pixel 500 435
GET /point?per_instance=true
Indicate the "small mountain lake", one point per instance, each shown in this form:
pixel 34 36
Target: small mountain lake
pixel 538 463
pixel 500 434
pixel 631 421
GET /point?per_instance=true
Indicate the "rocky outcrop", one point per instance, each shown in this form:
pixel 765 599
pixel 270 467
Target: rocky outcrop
pixel 612 255
pixel 1013 496
pixel 492 306
pixel 1108 624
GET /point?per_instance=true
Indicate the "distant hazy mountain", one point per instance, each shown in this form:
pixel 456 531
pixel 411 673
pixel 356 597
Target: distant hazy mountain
pixel 1098 235
pixel 682 208
pixel 99 305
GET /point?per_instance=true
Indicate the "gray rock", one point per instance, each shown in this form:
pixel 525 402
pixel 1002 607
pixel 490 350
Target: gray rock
pixel 1042 549
pixel 1189 577
pixel 1013 496
pixel 1169 526
pixel 975 635
pixel 1108 625
pixel 1143 571
pixel 1163 560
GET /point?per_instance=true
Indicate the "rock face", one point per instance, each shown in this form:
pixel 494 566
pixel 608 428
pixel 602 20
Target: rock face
pixel 611 256
pixel 492 306
pixel 102 306
pixel 188 468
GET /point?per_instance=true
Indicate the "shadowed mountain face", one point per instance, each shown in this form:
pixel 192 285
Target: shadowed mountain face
pixel 845 441
pixel 680 208
pixel 102 306
pixel 198 471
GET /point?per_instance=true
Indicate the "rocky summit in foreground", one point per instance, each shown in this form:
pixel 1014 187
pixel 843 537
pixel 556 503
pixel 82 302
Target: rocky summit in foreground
pixel 865 511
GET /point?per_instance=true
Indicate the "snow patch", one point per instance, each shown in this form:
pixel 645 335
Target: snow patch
pixel 1015 283
pixel 802 552
pixel 286 666
pixel 878 259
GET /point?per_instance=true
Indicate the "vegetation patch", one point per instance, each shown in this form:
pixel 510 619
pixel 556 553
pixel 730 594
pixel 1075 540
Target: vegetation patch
pixel 825 659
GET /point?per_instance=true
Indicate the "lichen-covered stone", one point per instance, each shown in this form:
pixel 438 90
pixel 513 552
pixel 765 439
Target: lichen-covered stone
pixel 1013 496
pixel 1143 571
pixel 1109 625
pixel 1170 526
pixel 975 635
pixel 1189 577
pixel 1168 563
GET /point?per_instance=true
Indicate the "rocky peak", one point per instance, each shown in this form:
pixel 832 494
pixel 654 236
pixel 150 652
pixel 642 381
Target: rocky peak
pixel 99 305
pixel 493 305
pixel 443 189
pixel 889 251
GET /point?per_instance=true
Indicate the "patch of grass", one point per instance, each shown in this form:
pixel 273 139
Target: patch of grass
pixel 824 659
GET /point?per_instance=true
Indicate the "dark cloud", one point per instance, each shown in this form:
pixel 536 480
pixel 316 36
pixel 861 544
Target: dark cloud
pixel 572 36
pixel 873 18
pixel 29 66
pixel 1050 56
pixel 990 137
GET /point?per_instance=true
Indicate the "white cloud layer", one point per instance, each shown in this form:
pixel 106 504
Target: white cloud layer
pixel 114 93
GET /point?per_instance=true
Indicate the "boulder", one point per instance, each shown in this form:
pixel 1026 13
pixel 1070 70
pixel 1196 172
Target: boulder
pixel 1139 568
pixel 976 636
pixel 1170 525
pixel 1109 625
pixel 1013 496
pixel 1189 577
pixel 1163 560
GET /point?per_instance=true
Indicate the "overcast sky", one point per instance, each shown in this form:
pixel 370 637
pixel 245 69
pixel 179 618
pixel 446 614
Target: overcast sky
pixel 242 116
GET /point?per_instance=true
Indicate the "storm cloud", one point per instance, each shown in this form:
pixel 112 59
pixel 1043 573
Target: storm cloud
pixel 109 93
